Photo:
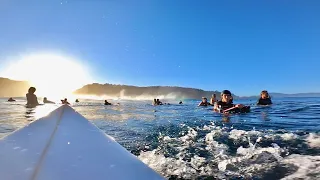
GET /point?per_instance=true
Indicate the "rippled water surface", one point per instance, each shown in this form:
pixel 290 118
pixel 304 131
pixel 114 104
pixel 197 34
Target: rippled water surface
pixel 189 142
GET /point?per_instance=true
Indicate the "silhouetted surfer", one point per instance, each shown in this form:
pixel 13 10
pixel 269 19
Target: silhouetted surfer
pixel 107 103
pixel 46 101
pixel 11 100
pixel 159 102
pixel 32 99
pixel 65 101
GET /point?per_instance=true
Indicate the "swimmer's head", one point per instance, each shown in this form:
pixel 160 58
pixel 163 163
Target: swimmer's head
pixel 32 90
pixel 226 96
pixel 264 94
pixel 204 99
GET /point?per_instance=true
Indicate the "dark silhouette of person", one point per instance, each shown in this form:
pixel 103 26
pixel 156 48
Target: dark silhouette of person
pixel 11 100
pixel 159 102
pixel 46 101
pixel 65 101
pixel 106 103
pixel 32 99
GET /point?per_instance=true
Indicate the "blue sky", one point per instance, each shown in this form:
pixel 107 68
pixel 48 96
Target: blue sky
pixel 244 46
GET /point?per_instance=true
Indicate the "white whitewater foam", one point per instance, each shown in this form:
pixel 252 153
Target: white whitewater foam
pixel 191 135
pixel 247 153
pixel 288 136
pixel 221 164
pixel 308 166
pixel 242 135
pixel 173 166
pixel 313 140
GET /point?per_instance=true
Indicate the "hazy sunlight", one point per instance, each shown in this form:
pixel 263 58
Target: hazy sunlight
pixel 54 76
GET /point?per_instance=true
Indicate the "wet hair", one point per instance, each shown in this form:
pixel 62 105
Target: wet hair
pixel 226 92
pixel 32 90
pixel 265 92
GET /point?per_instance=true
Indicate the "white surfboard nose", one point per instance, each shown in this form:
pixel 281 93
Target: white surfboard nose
pixel 64 145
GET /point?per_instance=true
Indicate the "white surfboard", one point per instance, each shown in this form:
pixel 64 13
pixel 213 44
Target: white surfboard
pixel 66 146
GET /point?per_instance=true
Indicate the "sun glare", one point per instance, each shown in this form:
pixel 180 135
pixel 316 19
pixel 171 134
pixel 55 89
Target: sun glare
pixel 54 76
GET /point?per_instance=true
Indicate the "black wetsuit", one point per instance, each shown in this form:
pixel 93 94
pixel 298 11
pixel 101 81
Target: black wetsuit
pixel 224 105
pixel 204 104
pixel 266 101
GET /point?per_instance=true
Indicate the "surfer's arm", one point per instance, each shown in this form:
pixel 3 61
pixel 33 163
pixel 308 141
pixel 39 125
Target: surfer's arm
pixel 239 106
pixel 216 107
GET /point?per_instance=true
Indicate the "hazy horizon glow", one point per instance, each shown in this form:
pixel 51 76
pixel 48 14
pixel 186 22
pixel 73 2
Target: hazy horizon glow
pixel 54 76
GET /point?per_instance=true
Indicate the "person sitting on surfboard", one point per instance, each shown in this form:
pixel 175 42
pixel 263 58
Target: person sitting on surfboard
pixel 154 102
pixel 264 99
pixel 65 101
pixel 11 100
pixel 204 102
pixel 226 103
pixel 32 99
pixel 107 103
pixel 159 102
pixel 46 101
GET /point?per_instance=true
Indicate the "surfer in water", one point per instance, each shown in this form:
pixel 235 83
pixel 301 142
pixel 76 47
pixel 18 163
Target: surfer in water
pixel 213 99
pixel 106 102
pixel 11 100
pixel 46 101
pixel 204 102
pixel 264 99
pixel 225 105
pixel 159 102
pixel 32 99
pixel 65 101
pixel 154 102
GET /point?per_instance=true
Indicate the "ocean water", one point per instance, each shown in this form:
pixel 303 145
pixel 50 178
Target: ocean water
pixel 189 142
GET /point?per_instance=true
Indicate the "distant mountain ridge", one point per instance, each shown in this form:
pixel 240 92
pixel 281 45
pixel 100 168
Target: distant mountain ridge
pixel 12 88
pixel 165 92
